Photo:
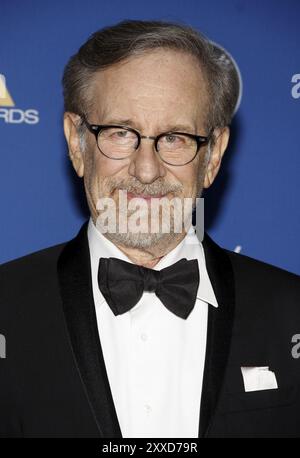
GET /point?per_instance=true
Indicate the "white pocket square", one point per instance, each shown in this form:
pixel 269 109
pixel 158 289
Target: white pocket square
pixel 258 378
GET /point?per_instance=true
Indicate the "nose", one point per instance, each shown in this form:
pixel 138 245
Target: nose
pixel 146 165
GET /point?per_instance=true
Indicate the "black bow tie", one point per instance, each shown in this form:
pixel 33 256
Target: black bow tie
pixel 122 284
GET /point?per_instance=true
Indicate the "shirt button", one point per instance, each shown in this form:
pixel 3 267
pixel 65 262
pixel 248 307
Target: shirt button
pixel 144 336
pixel 148 408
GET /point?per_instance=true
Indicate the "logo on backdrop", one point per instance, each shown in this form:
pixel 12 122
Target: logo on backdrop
pixel 295 91
pixel 9 113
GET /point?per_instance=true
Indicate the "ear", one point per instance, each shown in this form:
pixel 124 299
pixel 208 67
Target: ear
pixel 70 129
pixel 216 155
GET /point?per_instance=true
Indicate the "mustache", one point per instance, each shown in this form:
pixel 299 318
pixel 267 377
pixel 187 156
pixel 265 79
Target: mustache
pixel 158 187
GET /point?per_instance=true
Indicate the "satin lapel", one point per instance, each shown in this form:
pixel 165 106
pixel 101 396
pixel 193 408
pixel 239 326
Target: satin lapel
pixel 219 331
pixel 74 273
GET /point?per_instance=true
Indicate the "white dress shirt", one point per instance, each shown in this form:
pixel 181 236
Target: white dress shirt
pixel 154 359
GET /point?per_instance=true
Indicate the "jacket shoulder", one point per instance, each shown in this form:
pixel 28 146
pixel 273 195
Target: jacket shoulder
pixel 246 264
pixel 261 283
pixel 28 279
pixel 31 262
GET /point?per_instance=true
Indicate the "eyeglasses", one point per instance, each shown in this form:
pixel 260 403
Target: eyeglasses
pixel 119 142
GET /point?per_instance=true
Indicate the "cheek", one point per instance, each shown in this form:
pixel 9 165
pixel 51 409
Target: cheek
pixel 187 176
pixel 101 171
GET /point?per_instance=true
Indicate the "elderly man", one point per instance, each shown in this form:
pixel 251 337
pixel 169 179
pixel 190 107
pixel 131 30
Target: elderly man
pixel 128 332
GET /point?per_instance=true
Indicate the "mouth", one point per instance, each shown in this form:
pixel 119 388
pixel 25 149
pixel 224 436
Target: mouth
pixel 147 197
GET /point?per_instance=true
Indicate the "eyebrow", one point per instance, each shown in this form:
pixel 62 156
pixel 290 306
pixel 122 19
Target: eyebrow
pixel 168 128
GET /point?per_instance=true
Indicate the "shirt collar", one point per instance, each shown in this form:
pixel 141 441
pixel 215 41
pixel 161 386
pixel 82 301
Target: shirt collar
pixel 190 248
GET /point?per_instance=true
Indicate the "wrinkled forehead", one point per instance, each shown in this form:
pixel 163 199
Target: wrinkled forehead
pixel 151 88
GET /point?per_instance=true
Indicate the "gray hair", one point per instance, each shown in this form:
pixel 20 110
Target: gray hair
pixel 130 38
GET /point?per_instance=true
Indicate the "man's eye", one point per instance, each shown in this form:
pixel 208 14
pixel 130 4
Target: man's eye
pixel 117 133
pixel 171 138
pixel 174 140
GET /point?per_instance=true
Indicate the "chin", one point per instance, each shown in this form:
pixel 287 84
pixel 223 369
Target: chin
pixel 143 240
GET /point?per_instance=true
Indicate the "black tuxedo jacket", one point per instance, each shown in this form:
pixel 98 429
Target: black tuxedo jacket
pixel 53 381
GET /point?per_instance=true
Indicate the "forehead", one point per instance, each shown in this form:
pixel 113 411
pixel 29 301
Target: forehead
pixel 155 86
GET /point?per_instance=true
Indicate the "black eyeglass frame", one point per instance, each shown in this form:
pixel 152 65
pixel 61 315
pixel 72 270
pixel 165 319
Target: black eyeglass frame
pixel 96 129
